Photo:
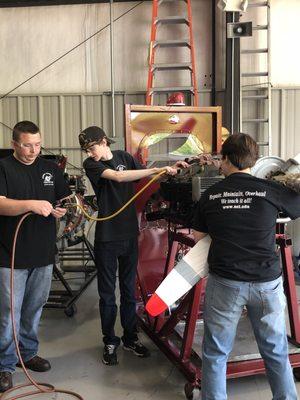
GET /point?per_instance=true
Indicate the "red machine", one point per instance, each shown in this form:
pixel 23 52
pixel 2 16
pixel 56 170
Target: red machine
pixel 165 237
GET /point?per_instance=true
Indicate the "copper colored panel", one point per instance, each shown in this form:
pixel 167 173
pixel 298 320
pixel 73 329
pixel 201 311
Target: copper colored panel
pixel 162 134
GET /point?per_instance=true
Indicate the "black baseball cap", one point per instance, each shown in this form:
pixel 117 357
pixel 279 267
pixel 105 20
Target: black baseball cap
pixel 92 135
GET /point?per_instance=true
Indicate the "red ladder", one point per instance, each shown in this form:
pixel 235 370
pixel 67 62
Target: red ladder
pixel 155 44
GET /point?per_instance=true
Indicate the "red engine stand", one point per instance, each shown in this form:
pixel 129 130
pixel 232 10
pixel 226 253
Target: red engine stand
pixel 178 347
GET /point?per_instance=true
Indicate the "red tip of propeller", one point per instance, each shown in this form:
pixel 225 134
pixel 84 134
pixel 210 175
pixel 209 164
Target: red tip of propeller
pixel 155 305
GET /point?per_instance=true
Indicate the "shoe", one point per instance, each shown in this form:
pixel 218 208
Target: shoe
pixel 37 364
pixel 110 355
pixel 5 381
pixel 137 348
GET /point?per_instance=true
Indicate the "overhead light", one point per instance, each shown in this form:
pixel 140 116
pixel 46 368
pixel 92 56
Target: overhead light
pixel 233 5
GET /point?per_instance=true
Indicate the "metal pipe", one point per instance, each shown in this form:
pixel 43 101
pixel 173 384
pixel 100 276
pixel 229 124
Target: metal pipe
pixel 269 80
pixel 213 67
pixel 232 78
pixel 112 67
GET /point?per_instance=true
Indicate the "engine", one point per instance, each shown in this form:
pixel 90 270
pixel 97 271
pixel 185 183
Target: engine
pixel 286 173
pixel 74 221
pixel 178 195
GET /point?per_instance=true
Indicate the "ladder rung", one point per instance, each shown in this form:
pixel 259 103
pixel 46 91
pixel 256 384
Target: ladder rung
pixel 172 43
pixel 171 67
pixel 256 120
pixel 253 74
pixel 255 97
pixel 259 4
pixel 169 1
pixel 260 27
pixel 172 89
pixel 247 88
pixel 254 51
pixel 172 20
pixel 180 18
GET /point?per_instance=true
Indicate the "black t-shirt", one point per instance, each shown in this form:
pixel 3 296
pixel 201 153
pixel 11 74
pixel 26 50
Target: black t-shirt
pixel 112 195
pixel 42 180
pixel 240 213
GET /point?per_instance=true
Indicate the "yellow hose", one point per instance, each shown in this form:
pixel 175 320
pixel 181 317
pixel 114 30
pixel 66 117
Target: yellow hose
pixel 155 178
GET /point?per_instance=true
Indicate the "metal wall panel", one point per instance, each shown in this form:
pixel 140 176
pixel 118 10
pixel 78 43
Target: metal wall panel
pixel 286 138
pixel 62 117
pixel 286 121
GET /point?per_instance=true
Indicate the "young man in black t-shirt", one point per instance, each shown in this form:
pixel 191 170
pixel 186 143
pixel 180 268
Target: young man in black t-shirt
pixel 28 183
pixel 112 174
pixel 240 215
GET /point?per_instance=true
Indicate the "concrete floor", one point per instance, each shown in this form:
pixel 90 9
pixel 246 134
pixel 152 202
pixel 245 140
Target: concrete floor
pixel 73 346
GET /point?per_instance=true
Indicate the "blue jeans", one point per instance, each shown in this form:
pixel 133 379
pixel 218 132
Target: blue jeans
pixel 119 255
pixel 265 303
pixel 31 291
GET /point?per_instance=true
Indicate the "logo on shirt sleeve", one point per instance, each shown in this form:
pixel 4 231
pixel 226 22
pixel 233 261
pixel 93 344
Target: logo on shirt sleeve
pixel 121 167
pixel 47 178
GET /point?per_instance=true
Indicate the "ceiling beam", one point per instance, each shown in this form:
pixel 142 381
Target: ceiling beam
pixel 26 3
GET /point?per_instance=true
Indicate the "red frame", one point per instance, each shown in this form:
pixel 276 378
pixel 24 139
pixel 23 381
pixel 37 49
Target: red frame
pixel 161 329
pixel 152 271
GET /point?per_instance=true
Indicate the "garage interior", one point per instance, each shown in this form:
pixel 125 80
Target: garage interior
pixel 67 65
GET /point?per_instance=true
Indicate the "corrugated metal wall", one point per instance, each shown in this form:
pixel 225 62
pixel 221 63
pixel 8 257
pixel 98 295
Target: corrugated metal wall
pixel 285 135
pixel 62 117
pixel 286 121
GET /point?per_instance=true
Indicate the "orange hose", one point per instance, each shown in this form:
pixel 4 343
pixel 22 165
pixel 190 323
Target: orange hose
pixel 91 218
pixel 42 388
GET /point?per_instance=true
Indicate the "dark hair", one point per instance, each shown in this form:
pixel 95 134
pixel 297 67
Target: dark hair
pixel 24 127
pixel 93 135
pixel 241 150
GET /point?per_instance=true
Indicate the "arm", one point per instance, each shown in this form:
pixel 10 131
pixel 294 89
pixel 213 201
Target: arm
pixel 134 175
pixel 289 201
pixel 11 207
pixel 198 235
pixel 181 164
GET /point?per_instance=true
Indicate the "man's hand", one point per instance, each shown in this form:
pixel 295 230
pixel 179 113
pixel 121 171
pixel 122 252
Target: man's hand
pixel 58 212
pixel 181 164
pixel 170 170
pixel 41 207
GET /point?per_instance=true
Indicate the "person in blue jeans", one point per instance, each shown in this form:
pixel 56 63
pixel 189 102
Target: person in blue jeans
pixel 239 213
pixel 28 183
pixel 112 174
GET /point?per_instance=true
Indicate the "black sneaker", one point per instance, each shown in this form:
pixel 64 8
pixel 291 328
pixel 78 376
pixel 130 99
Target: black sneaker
pixel 110 355
pixel 5 381
pixel 137 348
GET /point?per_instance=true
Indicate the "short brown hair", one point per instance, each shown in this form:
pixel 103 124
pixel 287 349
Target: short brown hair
pixel 241 150
pixel 24 127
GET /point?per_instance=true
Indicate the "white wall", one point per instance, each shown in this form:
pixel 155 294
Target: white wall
pixel 32 37
pixel 285 36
